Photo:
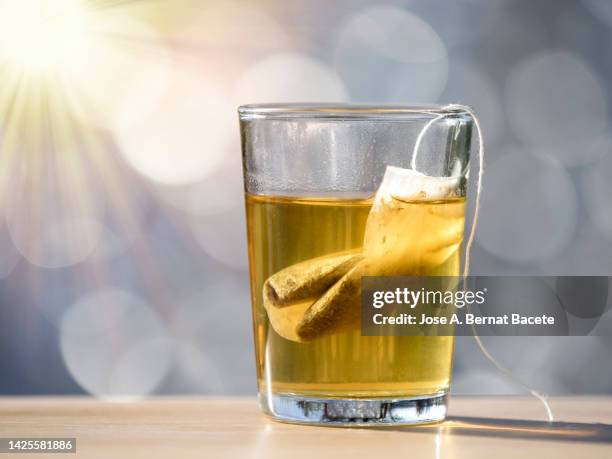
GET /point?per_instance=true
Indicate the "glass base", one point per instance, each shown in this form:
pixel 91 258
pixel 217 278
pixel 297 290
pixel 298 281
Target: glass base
pixel 355 411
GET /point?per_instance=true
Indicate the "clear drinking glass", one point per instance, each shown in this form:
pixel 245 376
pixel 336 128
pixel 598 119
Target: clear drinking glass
pixel 311 173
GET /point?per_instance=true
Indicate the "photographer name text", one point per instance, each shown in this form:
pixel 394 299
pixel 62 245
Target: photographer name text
pixel 470 319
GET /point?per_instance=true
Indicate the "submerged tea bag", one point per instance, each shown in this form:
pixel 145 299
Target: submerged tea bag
pixel 289 293
pixel 337 310
pixel 284 320
pixel 415 224
pixel 309 278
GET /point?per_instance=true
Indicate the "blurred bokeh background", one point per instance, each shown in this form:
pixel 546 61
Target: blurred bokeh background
pixel 122 238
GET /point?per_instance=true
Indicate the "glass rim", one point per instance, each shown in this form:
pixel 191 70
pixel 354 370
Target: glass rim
pixel 348 111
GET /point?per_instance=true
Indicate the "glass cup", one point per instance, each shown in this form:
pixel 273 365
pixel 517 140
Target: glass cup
pixel 311 175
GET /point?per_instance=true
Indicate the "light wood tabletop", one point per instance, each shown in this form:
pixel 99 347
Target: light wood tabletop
pixel 499 427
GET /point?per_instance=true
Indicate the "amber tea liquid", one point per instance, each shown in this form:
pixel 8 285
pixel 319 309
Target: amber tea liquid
pixel 285 231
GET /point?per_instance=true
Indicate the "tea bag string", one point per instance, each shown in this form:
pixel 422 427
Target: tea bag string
pixel 470 240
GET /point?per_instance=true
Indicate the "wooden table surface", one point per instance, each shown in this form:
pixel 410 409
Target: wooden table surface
pixel 498 427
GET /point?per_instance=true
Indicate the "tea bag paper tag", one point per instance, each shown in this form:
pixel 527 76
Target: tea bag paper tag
pixel 408 185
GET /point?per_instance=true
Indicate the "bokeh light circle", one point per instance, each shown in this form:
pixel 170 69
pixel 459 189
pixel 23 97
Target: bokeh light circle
pixel 61 243
pixel 114 345
pixel 201 323
pixel 223 236
pixel 557 104
pixel 9 256
pixel 224 184
pixel 455 20
pixel 584 256
pixel 471 86
pixel 529 208
pixel 185 138
pixel 600 9
pixel 288 77
pixel 124 72
pixel 199 373
pixel 554 353
pixel 387 54
pixel 234 29
pixel 596 187
pixel 54 221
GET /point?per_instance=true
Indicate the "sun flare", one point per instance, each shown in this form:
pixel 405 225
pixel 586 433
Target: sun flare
pixel 66 67
pixel 40 35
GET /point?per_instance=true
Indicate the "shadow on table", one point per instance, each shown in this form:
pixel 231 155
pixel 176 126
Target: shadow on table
pixel 521 429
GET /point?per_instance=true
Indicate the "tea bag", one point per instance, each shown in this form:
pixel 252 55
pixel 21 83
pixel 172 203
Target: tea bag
pixel 285 320
pixel 405 235
pixel 408 231
pixel 288 293
pixel 337 310
pixel 399 240
pixel 408 184
pixel 308 279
